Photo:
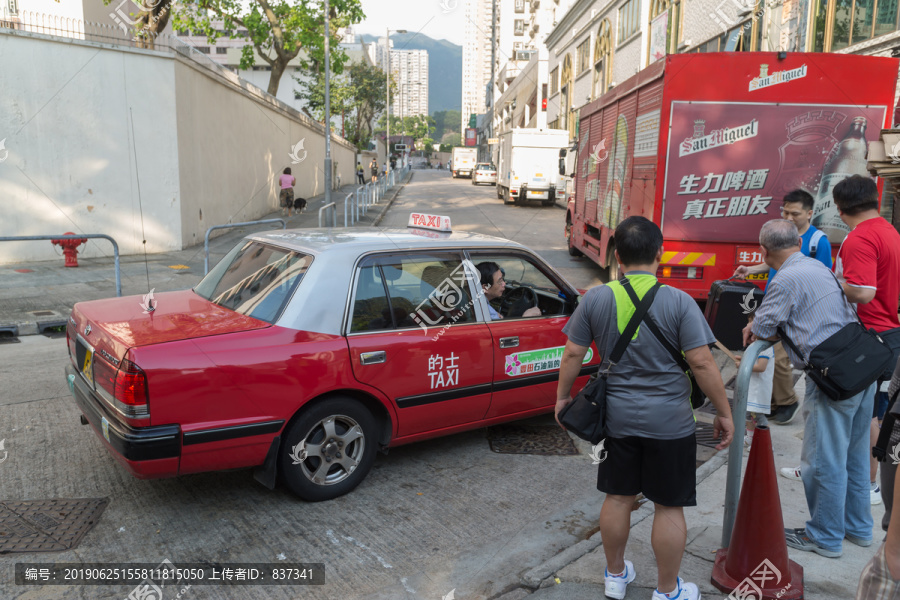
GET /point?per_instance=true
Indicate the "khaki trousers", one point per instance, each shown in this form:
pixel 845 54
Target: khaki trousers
pixel 783 380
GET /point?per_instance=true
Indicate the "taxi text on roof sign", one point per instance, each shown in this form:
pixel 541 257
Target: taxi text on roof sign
pixel 435 222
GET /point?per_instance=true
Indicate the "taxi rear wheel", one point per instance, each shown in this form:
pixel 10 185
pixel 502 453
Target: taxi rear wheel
pixel 328 450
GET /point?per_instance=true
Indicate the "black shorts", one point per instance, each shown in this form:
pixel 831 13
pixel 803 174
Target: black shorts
pixel 665 471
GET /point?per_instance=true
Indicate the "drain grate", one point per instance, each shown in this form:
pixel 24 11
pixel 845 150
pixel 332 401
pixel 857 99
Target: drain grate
pixel 704 434
pixel 544 440
pixel 47 525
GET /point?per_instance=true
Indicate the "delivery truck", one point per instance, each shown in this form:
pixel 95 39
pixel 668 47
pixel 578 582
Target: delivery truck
pixel 528 165
pixel 706 146
pixel 462 161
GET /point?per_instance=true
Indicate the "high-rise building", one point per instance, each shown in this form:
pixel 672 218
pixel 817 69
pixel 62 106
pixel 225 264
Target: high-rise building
pixel 476 58
pixel 409 71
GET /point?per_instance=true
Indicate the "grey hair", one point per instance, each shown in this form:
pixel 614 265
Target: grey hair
pixel 779 234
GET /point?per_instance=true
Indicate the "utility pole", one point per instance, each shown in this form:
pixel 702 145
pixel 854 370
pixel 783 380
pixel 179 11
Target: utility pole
pixel 327 110
pixel 490 158
pixel 387 118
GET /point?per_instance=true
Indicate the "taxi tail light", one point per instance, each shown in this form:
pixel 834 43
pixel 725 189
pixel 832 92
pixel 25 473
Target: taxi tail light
pixel 680 272
pixel 104 374
pixel 131 384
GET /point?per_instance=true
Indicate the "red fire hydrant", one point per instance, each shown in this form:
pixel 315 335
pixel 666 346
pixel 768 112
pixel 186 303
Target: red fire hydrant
pixel 70 248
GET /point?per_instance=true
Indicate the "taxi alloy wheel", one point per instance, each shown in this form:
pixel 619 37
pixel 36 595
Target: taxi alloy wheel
pixel 328 450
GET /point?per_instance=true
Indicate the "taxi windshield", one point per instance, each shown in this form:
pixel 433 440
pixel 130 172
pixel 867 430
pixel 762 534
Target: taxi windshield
pixel 255 279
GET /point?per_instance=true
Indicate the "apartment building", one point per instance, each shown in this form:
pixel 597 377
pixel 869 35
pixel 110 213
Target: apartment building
pixel 476 59
pixel 409 71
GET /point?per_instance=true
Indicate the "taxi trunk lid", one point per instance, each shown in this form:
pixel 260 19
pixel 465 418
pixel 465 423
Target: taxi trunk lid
pixel 114 325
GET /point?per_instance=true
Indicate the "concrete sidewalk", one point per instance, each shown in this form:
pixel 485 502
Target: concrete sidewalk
pixel 577 572
pixel 40 295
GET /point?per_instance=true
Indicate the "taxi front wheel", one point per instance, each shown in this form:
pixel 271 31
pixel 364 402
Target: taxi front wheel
pixel 328 450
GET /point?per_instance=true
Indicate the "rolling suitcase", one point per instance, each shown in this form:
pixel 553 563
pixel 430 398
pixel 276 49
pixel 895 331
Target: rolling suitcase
pixel 727 307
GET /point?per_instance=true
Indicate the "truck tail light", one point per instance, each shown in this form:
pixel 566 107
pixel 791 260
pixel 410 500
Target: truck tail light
pixel 131 385
pixel 680 272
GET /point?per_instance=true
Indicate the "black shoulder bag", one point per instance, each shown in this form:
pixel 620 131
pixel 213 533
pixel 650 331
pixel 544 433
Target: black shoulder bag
pixel 698 397
pixel 585 416
pixel 848 361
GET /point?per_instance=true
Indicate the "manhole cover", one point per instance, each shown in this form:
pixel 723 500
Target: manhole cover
pixel 47 525
pixel 546 440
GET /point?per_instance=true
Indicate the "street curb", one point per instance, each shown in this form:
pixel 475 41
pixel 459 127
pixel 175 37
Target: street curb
pixel 535 577
pixel 396 192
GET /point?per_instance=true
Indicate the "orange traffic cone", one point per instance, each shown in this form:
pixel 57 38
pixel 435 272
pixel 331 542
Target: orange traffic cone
pixel 755 564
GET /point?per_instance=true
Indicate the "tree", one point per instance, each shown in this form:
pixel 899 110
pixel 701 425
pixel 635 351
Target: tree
pixel 453 139
pixel 446 121
pixel 276 29
pixel 417 127
pixel 358 94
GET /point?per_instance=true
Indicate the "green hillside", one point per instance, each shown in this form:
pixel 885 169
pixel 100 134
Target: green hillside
pixel 444 68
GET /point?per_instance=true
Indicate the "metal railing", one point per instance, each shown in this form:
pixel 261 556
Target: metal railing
pixel 229 226
pixel 736 449
pixel 333 212
pixel 26 238
pixel 351 212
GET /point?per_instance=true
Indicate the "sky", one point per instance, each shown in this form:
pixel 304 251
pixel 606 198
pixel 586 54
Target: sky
pixel 438 19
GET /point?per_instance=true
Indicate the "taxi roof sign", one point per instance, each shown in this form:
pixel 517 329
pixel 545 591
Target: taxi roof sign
pixel 432 222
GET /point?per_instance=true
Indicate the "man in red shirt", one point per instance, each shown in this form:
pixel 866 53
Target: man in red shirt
pixel 868 265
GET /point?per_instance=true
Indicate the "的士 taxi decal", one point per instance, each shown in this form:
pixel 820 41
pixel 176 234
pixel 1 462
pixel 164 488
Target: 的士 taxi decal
pixel 535 361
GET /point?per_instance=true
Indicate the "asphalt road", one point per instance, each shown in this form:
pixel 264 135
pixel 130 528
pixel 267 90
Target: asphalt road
pixel 431 517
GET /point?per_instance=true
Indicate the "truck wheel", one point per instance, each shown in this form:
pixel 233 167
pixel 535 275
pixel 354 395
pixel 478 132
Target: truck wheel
pixel 499 191
pixel 328 450
pixel 573 251
pixel 612 265
pixel 506 198
pixel 547 202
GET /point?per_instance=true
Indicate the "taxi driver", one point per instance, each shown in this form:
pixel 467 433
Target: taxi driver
pixel 493 285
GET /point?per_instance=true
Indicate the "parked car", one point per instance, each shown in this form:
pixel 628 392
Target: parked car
pixel 484 173
pixel 303 352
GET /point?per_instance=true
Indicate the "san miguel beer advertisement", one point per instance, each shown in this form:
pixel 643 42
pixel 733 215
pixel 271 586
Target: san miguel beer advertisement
pixel 729 164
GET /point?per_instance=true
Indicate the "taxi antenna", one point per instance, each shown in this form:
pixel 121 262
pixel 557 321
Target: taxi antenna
pixel 137 176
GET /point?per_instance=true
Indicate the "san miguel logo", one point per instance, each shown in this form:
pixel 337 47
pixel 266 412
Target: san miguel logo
pixel 720 137
pixel 765 80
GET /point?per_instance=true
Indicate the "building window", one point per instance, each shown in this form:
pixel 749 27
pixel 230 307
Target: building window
pixel 566 92
pixel 629 19
pixel 602 58
pixel 661 18
pixel 203 49
pixel 519 27
pixel 841 23
pixel 221 50
pixel 554 80
pixel 584 55
pixel 520 6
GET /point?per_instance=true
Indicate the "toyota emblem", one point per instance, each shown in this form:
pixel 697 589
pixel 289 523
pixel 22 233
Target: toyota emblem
pixel 87 330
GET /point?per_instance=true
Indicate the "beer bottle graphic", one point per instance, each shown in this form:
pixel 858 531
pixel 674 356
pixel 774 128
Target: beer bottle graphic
pixel 848 157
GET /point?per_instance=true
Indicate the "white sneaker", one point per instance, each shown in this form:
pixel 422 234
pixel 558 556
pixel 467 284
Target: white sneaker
pixel 875 494
pixel 616 584
pixel 686 591
pixel 791 473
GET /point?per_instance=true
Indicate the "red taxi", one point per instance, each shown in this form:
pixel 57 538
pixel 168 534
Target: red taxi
pixel 304 352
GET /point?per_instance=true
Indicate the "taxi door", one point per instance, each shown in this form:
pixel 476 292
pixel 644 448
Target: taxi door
pixel 528 350
pixel 413 335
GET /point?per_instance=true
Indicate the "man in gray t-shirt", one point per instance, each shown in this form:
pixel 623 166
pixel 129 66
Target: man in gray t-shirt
pixel 650 447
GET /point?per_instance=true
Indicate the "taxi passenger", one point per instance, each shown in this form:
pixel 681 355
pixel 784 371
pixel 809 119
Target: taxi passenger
pixel 493 285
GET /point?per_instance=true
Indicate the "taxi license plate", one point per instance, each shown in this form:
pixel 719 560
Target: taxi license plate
pixel 84 358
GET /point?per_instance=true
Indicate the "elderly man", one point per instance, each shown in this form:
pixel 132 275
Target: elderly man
pixel 807 303
pixel 651 448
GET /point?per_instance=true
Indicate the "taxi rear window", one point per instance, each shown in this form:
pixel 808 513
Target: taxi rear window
pixel 255 279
